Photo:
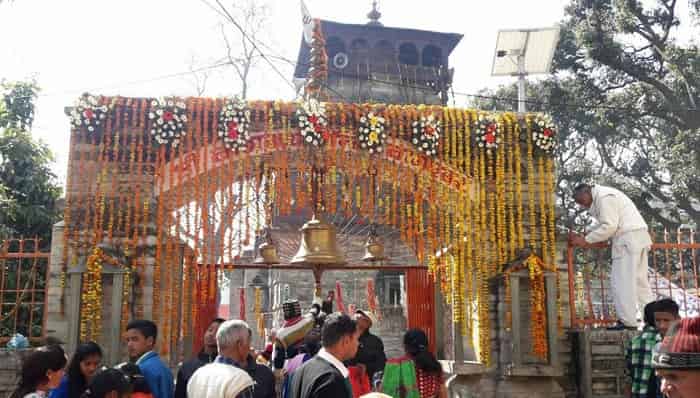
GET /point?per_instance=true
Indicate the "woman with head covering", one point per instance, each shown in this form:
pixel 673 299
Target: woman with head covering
pixel 81 369
pixel 417 374
pixel 109 383
pixel 139 386
pixel 42 371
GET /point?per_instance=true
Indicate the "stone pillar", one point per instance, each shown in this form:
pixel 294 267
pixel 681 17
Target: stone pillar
pixel 58 319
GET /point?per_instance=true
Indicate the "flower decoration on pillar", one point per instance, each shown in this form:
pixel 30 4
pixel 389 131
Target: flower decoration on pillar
pixel 426 134
pixel 168 117
pixel 313 123
pixel 544 133
pixel 89 112
pixel 234 124
pixel 372 133
pixel 487 133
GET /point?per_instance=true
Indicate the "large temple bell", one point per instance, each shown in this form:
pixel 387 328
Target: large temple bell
pixel 267 251
pixel 318 245
pixel 374 249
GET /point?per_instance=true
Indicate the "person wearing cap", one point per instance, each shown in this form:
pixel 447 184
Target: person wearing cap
pixel 677 360
pixel 370 354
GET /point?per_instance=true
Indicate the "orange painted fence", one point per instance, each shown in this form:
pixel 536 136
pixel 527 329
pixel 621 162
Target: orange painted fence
pixel 673 272
pixel 24 271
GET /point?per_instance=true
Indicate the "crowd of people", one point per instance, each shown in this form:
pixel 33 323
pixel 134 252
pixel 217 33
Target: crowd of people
pixel 329 354
pixel 337 357
pixel 341 359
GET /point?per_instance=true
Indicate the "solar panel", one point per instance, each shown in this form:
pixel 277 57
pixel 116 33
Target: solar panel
pixel 536 46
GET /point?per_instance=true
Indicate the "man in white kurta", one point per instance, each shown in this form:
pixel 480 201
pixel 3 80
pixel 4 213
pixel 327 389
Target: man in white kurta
pixel 620 221
pixel 225 378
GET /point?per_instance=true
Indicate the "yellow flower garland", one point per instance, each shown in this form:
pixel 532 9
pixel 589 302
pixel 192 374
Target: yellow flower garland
pixel 448 217
pixel 91 298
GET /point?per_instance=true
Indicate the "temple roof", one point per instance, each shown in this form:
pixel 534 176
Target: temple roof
pixel 447 41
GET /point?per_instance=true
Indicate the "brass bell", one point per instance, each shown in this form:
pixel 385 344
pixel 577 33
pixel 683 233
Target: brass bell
pixel 374 249
pixel 318 245
pixel 267 252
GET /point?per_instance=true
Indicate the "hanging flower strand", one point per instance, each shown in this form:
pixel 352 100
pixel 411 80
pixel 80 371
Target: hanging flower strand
pixel 426 134
pixel 234 124
pixel 313 123
pixel 168 117
pixel 372 132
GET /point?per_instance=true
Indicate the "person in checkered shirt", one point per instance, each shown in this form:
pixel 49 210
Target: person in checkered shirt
pixel 641 379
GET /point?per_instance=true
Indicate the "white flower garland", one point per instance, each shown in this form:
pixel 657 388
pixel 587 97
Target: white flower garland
pixel 168 117
pixel 311 117
pixel 544 133
pixel 234 125
pixel 88 113
pixel 426 134
pixel 487 133
pixel 372 132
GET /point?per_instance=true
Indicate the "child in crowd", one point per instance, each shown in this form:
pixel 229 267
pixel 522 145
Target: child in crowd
pixel 665 314
pixel 108 383
pixel 638 355
pixel 139 387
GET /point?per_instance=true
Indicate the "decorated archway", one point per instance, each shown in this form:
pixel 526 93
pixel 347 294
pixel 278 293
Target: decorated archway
pixel 157 186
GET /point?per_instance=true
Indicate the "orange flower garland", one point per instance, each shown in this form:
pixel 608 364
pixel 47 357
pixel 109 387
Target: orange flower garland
pixel 464 204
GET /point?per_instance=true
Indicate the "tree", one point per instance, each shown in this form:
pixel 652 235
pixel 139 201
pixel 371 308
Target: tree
pixel 241 33
pixel 27 185
pixel 246 22
pixel 625 95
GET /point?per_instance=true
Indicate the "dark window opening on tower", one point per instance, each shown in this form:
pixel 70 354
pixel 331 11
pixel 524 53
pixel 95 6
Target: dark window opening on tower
pixel 432 56
pixel 359 51
pixel 383 53
pixel 408 54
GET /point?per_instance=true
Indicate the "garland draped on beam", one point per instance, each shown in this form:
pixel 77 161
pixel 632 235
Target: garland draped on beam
pixel 171 208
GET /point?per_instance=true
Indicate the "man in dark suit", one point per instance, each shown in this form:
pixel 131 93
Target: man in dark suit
pixel 206 356
pixel 325 375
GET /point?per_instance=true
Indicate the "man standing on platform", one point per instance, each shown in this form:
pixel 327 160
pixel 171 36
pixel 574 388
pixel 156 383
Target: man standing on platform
pixel 140 342
pixel 325 376
pixel 620 221
pixel 207 355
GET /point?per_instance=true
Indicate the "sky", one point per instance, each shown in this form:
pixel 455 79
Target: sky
pixel 148 48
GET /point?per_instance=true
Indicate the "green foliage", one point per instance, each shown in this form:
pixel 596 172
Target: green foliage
pixel 28 188
pixel 17 110
pixel 625 96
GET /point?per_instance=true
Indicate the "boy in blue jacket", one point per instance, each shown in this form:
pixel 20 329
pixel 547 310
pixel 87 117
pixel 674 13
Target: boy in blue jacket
pixel 140 341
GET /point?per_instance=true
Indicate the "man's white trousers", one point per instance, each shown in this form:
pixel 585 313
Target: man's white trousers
pixel 630 276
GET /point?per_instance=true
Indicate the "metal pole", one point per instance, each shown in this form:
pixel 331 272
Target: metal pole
pixel 521 83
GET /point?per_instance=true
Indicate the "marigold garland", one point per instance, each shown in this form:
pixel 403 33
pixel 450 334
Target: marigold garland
pixel 473 215
pixel 91 298
pixel 538 317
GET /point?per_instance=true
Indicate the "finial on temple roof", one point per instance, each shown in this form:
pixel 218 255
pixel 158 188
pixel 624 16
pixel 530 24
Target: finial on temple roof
pixel 374 15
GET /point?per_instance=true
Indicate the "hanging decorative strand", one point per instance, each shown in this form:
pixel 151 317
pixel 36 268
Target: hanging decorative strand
pixel 199 202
